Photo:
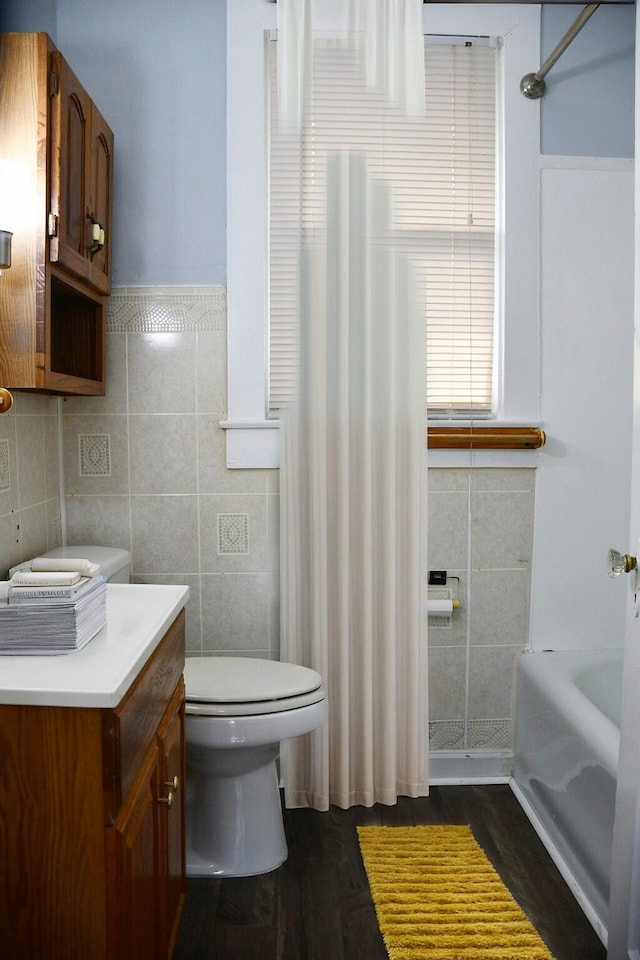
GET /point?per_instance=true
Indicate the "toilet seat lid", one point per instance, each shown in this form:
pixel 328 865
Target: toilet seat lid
pixel 246 680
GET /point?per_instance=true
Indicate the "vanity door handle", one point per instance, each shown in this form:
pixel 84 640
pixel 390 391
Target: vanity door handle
pixel 168 799
pixel 175 783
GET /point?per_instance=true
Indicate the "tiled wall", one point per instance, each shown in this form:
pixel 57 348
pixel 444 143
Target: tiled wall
pixel 144 469
pixel 29 501
pixel 481 533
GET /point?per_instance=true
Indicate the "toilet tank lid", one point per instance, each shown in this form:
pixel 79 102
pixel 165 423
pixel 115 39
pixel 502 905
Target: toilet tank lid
pixel 110 559
pixel 246 679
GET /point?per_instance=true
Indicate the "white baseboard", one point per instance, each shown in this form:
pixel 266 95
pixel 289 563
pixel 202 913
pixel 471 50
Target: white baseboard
pixel 447 768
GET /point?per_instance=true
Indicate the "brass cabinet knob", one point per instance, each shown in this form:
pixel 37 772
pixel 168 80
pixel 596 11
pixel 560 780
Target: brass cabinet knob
pixel 168 799
pixel 175 783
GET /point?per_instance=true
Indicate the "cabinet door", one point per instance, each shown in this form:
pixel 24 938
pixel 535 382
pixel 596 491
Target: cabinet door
pixel 81 181
pixel 70 169
pixel 171 744
pixel 101 201
pixel 133 850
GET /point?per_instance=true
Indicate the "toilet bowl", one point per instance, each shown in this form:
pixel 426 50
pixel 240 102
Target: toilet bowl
pixel 238 710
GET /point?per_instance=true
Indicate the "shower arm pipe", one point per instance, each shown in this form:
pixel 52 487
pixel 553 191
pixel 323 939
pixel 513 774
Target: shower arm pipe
pixel 532 85
pixel 485 438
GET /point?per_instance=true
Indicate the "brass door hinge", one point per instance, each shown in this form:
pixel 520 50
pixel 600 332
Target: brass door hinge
pixel 53 225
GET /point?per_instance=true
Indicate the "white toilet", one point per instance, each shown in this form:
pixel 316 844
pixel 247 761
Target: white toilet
pixel 238 710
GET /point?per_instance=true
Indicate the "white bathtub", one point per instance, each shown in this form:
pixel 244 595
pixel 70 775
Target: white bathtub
pixel 566 760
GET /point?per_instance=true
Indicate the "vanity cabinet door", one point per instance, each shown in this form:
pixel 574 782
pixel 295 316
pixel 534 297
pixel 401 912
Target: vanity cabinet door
pixel 134 853
pixel 145 848
pixel 171 744
pixel 144 836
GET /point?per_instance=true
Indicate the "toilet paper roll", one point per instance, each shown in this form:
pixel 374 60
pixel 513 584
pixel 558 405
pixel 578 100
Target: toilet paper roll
pixel 441 608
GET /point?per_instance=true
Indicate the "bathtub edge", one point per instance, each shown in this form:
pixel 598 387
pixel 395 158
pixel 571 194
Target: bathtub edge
pixel 567 874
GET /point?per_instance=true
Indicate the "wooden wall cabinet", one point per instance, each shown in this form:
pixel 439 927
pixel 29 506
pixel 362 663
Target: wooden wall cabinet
pixel 92 821
pixel 57 162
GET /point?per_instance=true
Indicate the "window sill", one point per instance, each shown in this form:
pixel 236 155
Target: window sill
pixel 255 444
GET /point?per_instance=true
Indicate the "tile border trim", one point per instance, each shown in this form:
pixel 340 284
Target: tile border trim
pixel 167 309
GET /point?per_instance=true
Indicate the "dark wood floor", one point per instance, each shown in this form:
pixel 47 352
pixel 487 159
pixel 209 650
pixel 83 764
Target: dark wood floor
pixel 317 905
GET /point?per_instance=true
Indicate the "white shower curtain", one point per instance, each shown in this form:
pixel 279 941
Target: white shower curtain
pixel 353 464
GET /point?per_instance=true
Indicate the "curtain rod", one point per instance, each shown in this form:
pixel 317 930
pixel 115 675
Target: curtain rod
pixel 532 85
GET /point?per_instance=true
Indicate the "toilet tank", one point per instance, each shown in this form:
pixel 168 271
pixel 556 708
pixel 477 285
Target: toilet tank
pixel 115 563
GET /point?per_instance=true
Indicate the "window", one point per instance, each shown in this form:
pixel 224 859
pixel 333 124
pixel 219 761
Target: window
pixel 443 168
pixel 251 435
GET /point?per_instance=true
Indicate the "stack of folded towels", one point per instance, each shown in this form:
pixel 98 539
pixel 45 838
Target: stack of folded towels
pixel 52 606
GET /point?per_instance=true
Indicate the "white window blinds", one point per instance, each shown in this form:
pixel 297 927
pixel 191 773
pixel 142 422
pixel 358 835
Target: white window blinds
pixel 443 170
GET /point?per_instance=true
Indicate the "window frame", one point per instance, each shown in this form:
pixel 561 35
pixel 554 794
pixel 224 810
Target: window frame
pixel 252 438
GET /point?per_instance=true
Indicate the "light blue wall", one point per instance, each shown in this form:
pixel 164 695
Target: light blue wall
pixel 157 69
pixel 24 16
pixel 588 106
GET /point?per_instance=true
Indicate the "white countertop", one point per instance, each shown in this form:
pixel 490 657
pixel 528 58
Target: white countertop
pixel 138 616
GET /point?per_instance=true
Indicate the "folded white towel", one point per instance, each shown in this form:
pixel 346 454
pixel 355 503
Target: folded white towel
pixel 26 578
pixel 54 564
pixel 4 591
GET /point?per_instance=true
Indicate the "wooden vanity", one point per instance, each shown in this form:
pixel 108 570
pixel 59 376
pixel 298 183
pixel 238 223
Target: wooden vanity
pixel 91 792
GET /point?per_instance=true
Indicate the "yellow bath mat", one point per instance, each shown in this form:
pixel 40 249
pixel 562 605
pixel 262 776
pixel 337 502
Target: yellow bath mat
pixel 437 897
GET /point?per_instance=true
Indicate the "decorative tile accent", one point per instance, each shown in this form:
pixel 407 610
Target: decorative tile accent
pixel 233 533
pixel 5 472
pixel 489 734
pixel 446 734
pixel 167 310
pixel 481 735
pixel 95 454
